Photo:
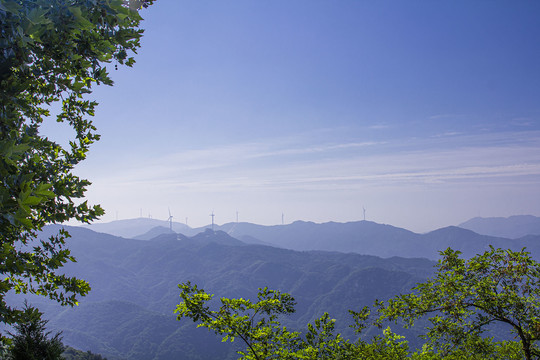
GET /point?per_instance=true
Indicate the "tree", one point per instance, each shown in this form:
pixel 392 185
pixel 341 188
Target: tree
pixel 256 324
pixel 253 322
pixel 465 296
pixel 74 354
pixel 460 301
pixel 31 340
pixel 51 54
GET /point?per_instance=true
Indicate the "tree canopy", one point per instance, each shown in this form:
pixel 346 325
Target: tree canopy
pixel 32 341
pixel 256 324
pixel 465 296
pixel 51 54
pixel 460 302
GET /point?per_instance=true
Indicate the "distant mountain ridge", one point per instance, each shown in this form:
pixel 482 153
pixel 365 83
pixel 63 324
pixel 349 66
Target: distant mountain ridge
pixel 128 314
pixel 513 227
pixel 362 237
pixel 154 232
pixel 131 228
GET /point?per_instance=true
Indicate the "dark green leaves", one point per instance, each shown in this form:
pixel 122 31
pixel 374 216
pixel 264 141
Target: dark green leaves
pixel 257 324
pixel 51 53
pixel 466 296
pixel 459 302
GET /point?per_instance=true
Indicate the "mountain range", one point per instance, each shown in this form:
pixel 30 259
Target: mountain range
pixel 362 237
pixel 331 267
pixel 129 312
pixel 512 227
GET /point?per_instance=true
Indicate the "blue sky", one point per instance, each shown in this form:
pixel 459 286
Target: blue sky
pixel 426 113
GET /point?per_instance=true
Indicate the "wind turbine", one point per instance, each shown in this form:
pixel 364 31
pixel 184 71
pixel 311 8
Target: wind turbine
pixel 231 230
pixel 212 215
pixel 170 219
pixel 363 208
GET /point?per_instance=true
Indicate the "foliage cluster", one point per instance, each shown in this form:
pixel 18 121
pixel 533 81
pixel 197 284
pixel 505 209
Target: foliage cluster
pixel 51 54
pixel 31 341
pixel 74 354
pixel 465 296
pixel 460 302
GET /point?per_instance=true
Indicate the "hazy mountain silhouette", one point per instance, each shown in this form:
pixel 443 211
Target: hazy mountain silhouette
pixel 154 232
pixel 369 238
pixel 128 313
pixel 362 237
pixel 131 228
pixel 512 227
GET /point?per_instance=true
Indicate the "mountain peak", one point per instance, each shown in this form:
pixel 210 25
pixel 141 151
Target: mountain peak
pixel 513 227
pixel 218 236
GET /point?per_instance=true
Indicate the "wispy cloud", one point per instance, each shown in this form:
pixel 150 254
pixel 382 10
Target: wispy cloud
pixel 270 164
pixel 446 134
pixel 524 122
pixel 320 149
pixel 379 127
pixel 445 116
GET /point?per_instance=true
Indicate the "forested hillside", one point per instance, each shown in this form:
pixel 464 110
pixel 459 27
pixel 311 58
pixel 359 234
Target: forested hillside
pixel 513 227
pixel 362 237
pixel 129 312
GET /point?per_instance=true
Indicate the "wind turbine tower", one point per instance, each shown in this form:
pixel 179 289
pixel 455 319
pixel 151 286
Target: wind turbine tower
pixel 170 219
pixel 282 219
pixel 212 215
pixel 363 208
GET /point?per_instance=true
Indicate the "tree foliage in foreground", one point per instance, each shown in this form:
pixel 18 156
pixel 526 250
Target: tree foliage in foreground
pixel 51 54
pixel 32 341
pixel 74 354
pixel 460 302
pixel 465 296
pixel 255 323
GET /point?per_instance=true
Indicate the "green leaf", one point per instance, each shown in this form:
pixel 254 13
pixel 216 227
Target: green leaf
pixel 31 201
pixel 43 190
pixel 52 55
pixel 37 16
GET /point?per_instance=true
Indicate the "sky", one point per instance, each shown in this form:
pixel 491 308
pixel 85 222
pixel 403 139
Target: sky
pixel 423 113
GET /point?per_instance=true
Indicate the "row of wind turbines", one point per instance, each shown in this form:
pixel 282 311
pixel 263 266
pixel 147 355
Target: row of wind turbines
pixel 170 219
pixel 212 215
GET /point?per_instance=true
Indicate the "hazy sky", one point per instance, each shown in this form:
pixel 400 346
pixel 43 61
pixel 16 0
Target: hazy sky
pixel 426 113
